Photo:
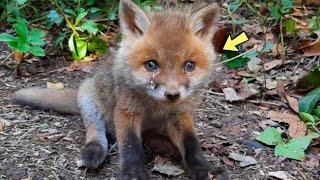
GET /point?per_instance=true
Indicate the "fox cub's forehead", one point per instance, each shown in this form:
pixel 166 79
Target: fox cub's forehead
pixel 169 27
pixel 170 32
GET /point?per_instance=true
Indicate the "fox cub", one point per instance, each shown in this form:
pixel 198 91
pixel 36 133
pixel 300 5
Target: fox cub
pixel 163 58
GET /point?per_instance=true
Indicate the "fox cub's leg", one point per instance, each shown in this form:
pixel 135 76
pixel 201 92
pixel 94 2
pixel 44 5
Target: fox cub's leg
pixel 183 136
pixel 96 148
pixel 128 127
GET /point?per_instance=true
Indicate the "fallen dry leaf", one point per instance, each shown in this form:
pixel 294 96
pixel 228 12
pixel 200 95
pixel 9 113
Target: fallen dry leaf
pixel 168 168
pixel 3 124
pixel 254 65
pixel 271 84
pixel 51 85
pixel 296 127
pixel 85 66
pixel 272 64
pixel 310 48
pixel 244 160
pixel 249 90
pixel 277 50
pixel 283 175
pixel 231 94
pixel 293 102
pixel 227 161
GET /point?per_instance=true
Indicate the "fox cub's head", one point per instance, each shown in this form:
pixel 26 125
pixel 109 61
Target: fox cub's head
pixel 167 54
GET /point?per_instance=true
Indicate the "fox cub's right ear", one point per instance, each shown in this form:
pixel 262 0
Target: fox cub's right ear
pixel 133 20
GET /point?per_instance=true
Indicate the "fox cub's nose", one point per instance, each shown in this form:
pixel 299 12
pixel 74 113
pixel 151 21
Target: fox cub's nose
pixel 172 95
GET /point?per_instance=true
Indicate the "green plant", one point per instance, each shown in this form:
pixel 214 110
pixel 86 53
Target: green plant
pixel 291 148
pixel 83 32
pixel 314 23
pixel 25 41
pixel 309 109
pixel 79 24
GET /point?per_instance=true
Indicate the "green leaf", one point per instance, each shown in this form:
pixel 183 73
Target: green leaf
pixel 35 37
pixel 236 63
pixel 37 33
pixel 314 24
pixel 306 117
pixel 22 30
pixel 71 43
pixel 287 4
pixel 37 42
pixel 70 12
pixel 90 27
pixel 233 5
pixel 275 12
pixel 4 37
pixel 13 44
pixel 308 102
pixel 37 51
pixel 311 80
pixel 290 25
pixel 58 41
pixel 97 45
pixel 294 149
pixel 266 47
pixel 316 112
pixel 250 55
pixel 80 17
pixel 81 48
pixel 21 2
pixel 23 47
pixel 54 17
pixel 270 136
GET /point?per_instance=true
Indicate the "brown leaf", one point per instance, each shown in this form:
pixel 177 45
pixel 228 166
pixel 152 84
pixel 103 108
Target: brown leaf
pixel 293 102
pixel 310 48
pixel 249 90
pixel 166 167
pixel 283 175
pixel 296 127
pixel 272 64
pixel 2 125
pixel 231 95
pixel 79 66
pixel 51 85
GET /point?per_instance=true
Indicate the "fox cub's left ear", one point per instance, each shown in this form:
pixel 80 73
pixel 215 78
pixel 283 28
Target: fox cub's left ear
pixel 133 20
pixel 204 21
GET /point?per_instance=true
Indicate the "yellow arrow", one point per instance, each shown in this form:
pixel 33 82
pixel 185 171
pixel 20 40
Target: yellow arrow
pixel 232 43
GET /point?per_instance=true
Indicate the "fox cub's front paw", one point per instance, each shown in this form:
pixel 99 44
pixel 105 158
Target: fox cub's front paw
pixel 93 155
pixel 133 174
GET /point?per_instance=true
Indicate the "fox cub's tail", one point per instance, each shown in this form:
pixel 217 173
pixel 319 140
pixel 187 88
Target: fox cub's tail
pixel 64 101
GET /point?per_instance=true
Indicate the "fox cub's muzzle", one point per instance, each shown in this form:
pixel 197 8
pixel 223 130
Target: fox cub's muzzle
pixel 172 95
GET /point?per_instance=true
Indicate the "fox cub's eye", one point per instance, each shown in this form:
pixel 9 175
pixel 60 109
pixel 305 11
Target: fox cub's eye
pixel 189 66
pixel 151 65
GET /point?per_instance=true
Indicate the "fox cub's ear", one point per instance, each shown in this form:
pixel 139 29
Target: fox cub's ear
pixel 133 20
pixel 203 21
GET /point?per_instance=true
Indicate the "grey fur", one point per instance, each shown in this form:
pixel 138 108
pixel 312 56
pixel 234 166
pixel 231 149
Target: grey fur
pixel 60 100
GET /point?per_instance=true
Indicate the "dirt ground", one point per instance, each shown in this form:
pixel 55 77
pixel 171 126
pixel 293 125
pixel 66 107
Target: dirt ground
pixel 46 145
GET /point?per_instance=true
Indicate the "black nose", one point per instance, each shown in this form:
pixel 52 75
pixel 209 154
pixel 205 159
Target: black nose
pixel 172 96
